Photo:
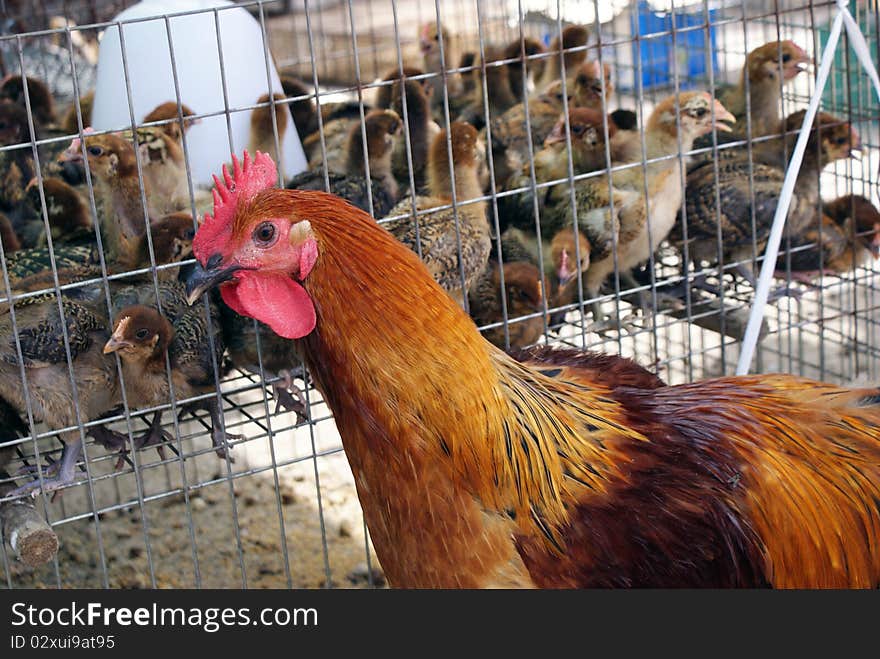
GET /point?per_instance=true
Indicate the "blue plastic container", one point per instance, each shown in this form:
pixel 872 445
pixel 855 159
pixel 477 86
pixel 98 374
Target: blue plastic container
pixel 690 50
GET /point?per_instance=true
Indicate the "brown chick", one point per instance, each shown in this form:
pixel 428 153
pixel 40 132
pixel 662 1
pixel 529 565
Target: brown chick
pixel 383 128
pixel 573 37
pixel 70 218
pixel 45 337
pixel 168 112
pixel 41 101
pixel 336 132
pixel 384 93
pixel 262 131
pixel 498 92
pixel 551 164
pixel 69 122
pixel 8 237
pixel 303 112
pixel 171 238
pixel 16 165
pixel 743 196
pixel 515 50
pixel 767 69
pixel 422 131
pixel 163 168
pixel 523 291
pixel 590 83
pixel 432 62
pixel 143 337
pixel 510 136
pixel 455 252
pixel 849 238
pixel 639 222
pixel 468 77
pixel 121 217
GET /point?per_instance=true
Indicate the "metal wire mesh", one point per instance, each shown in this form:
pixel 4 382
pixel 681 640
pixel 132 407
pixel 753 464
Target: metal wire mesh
pixel 284 513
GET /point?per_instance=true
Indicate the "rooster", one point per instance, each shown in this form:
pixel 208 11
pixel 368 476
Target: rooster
pixel 558 468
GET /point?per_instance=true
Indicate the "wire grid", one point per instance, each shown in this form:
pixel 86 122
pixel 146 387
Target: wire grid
pixel 295 474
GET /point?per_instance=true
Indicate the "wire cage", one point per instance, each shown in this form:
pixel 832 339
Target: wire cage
pixel 279 508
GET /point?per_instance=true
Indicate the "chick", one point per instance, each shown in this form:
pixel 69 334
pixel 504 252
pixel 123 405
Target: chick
pixel 69 123
pixel 8 237
pixel 16 165
pixel 436 62
pixel 592 85
pixel 768 69
pixel 573 41
pixel 112 163
pixel 70 219
pixel 422 130
pixel 262 131
pixel 42 103
pixel 382 128
pixel 510 136
pixel 142 337
pixel 168 112
pixel 384 93
pixel 587 133
pixel 303 112
pixel 849 237
pixel 749 194
pixel 45 336
pixel 453 243
pixel 498 93
pixel 521 50
pixel 162 167
pixel 523 291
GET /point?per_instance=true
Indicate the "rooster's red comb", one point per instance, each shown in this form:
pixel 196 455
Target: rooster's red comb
pixel 247 179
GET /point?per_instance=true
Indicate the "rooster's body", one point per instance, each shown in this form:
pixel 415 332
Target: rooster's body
pixel 562 469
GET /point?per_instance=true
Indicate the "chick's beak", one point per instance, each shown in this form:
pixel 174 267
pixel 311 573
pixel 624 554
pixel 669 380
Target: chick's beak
pixel 115 343
pixel 855 145
pixel 723 117
pixel 204 278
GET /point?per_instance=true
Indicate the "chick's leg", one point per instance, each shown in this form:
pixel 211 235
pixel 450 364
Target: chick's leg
pixel 58 474
pixel 775 294
pixel 219 437
pixel 116 441
pixel 285 390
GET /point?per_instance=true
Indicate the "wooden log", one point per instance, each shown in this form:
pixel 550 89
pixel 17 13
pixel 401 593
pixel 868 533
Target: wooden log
pixel 31 538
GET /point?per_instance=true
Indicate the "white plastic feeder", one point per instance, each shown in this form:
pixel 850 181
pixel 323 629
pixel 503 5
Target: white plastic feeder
pixel 197 61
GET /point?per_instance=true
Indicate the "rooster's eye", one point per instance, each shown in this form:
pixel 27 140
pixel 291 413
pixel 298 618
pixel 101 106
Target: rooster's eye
pixel 142 333
pixel 264 235
pixel 95 150
pixel 190 234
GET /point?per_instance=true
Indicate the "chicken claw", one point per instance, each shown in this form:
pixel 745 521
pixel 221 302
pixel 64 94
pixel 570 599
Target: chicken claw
pixel 284 391
pixel 61 473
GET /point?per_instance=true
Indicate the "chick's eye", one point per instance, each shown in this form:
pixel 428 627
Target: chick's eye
pixel 142 333
pixel 841 140
pixel 190 234
pixel 700 112
pixel 786 57
pixel 264 235
pixel 95 150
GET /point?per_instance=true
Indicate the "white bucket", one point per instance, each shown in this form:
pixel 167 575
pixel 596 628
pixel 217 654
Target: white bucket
pixel 197 61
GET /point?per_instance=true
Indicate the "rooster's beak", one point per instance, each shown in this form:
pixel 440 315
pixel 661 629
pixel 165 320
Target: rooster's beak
pixel 204 279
